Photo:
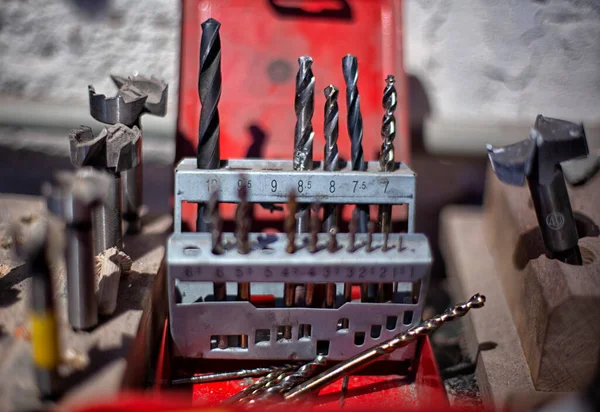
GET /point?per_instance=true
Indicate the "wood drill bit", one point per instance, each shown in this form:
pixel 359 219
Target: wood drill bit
pixel 367 357
pixel 293 378
pixel 243 229
pixel 355 128
pixel 290 228
pixel 304 105
pixel 209 90
pixel 331 152
pixel 387 157
pixel 259 385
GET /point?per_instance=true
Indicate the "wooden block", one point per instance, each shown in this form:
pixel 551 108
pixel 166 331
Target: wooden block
pixel 555 306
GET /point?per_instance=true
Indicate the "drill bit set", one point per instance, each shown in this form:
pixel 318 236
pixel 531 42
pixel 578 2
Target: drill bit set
pixel 312 290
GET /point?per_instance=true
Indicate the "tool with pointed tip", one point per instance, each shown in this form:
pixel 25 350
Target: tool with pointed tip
pixel 304 104
pixel 387 156
pixel 209 90
pixel 45 344
pixel 72 196
pixel 537 159
pixel 223 376
pixel 259 385
pixel 293 378
pixel 331 152
pixel 367 357
pixel 355 128
pixel 136 95
pixel 243 222
pixel 114 150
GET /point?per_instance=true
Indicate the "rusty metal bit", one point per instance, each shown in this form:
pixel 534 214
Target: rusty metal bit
pixel 293 378
pixel 368 356
pixel 252 390
pixel 386 238
pixel 332 247
pixel 371 229
pixel 224 376
pixel 290 223
pixel 401 247
pixel 242 217
pixel 353 227
pixel 214 216
pixel 329 295
pixel 315 226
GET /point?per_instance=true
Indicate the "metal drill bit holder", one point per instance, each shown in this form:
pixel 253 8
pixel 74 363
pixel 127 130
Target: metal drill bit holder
pixel 197 320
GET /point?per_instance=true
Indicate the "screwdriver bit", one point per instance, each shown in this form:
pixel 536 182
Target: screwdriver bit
pixel 370 355
pixel 387 156
pixel 355 128
pixel 304 105
pixel 331 152
pixel 209 90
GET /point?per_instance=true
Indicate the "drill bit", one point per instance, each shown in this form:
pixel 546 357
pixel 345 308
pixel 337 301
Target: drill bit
pixel 259 385
pixel 293 378
pixel 303 136
pixel 308 289
pixel 367 357
pixel 355 127
pixel 315 226
pixel 370 231
pixel 243 228
pixel 290 228
pixel 333 246
pixel 331 153
pixel 388 133
pixel 352 227
pixel 209 90
pixel 219 288
pixel 224 376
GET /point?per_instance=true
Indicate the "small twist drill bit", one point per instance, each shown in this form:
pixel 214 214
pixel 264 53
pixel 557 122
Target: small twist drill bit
pixel 370 231
pixel 224 376
pixel 387 156
pixel 290 228
pixel 294 378
pixel 216 223
pixel 315 226
pixel 367 357
pixel 209 90
pixel 242 217
pixel 258 386
pixel 355 127
pixel 352 227
pixel 333 246
pixel 331 152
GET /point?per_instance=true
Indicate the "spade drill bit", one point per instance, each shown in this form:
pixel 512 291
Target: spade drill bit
pixel 243 229
pixel 367 357
pixel 355 128
pixel 331 153
pixel 304 105
pixel 387 158
pixel 209 90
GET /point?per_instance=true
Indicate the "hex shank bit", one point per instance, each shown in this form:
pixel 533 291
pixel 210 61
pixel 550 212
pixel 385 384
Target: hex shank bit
pixel 303 136
pixel 537 159
pixel 355 128
pixel 367 357
pixel 331 152
pixel 209 91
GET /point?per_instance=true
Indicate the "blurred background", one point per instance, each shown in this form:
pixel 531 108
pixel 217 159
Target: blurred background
pixel 478 71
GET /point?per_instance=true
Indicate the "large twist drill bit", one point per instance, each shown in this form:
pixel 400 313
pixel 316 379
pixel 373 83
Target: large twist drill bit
pixel 331 153
pixel 257 386
pixel 355 127
pixel 294 378
pixel 209 90
pixel 367 357
pixel 304 104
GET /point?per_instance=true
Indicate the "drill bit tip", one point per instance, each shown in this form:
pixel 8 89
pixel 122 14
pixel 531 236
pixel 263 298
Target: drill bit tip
pixel 331 92
pixel 390 79
pixel 210 23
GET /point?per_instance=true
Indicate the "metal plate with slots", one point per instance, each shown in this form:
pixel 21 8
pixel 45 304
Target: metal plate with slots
pixel 195 319
pixel 271 181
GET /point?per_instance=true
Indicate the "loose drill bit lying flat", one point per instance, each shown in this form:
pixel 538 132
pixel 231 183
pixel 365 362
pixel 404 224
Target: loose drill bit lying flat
pixel 259 385
pixel 367 357
pixel 355 127
pixel 331 152
pixel 224 376
pixel 293 378
pixel 209 90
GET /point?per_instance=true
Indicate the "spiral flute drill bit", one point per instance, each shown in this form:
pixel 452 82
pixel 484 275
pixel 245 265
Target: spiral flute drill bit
pixel 331 152
pixel 257 386
pixel 304 134
pixel 209 90
pixel 367 357
pixel 294 378
pixel 388 133
pixel 355 127
pixel 224 376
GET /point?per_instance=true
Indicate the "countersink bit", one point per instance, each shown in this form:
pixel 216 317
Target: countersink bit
pixel 36 250
pixel 259 385
pixel 537 160
pixel 224 376
pixel 331 212
pixel 209 90
pixel 387 157
pixel 292 379
pixel 355 128
pixel 304 105
pixel 72 197
pixel 367 357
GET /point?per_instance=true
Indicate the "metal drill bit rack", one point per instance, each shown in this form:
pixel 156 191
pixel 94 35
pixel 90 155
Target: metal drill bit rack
pixel 338 330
